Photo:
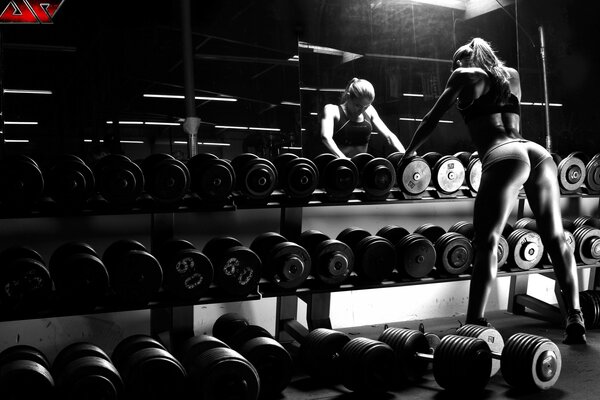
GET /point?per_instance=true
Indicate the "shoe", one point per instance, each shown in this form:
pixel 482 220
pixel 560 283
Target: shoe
pixel 479 322
pixel 575 328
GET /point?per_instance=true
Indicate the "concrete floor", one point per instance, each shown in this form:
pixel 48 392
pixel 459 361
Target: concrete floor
pixel 579 378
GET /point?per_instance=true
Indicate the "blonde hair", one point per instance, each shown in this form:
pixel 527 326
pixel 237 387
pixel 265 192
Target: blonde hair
pixel 358 88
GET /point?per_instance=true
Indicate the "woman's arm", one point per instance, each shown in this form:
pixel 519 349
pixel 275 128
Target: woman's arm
pixel 330 111
pixel 382 129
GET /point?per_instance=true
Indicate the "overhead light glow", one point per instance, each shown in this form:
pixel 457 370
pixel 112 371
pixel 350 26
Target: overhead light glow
pixel 178 96
pixel 289 103
pixel 16 141
pixel 28 91
pixel 412 95
pixel 443 121
pixel 20 123
pixel 120 141
pixel 527 103
pixel 204 143
pixel 163 123
pixel 291 148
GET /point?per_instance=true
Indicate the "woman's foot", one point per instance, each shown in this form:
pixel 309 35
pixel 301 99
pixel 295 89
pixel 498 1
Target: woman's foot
pixel 575 328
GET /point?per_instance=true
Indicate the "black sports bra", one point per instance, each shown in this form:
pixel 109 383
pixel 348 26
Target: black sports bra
pixel 350 133
pixel 489 104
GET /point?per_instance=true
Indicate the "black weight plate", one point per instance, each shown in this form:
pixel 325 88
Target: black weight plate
pixel 212 178
pixel 587 244
pixel 192 349
pixel 298 178
pixel 431 158
pixel 243 335
pixel 24 352
pixel 70 182
pixel 406 343
pixel 288 265
pixel 413 175
pixel 115 251
pixel 592 173
pixel 257 179
pixel 339 178
pixel 378 177
pixel 21 181
pixel 393 233
pixel 416 256
pixel 188 274
pixel 228 325
pixel 374 258
pixel 395 158
pixel 322 160
pixel 25 379
pixel 430 231
pixel 238 271
pixel 74 351
pixel 137 278
pixel 360 160
pixel 131 344
pixel 465 228
pixel 171 247
pixel 320 354
pixel 332 261
pixel 454 253
pixel 311 238
pixel 272 362
pixel 352 235
pixel 25 285
pixel 282 161
pixel 239 162
pixel 264 242
pixel 90 377
pixel 66 250
pixel 118 179
pixel 167 180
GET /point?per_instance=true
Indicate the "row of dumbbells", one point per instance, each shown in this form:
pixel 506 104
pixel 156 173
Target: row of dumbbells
pixel 462 363
pixel 239 360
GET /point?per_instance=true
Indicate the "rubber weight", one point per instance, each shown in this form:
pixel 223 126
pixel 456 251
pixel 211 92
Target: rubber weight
pixel 454 254
pixel 338 177
pixel 592 174
pixel 212 178
pixel 22 182
pixel 367 365
pixel 525 249
pixel 119 180
pixel 320 354
pixel 332 261
pixel 298 177
pixel 492 337
pixel 69 182
pixel 256 177
pixel 377 175
pixel 25 373
pixel 374 256
pixel 587 244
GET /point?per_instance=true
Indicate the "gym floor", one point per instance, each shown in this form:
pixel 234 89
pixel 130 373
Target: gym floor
pixel 579 377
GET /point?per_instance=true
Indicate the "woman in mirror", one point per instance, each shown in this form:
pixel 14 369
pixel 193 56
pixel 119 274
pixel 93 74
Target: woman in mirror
pixel 487 93
pixel 346 128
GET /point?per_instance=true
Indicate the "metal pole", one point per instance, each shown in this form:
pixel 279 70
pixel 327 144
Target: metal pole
pixel 2 136
pixel 545 75
pixel 192 122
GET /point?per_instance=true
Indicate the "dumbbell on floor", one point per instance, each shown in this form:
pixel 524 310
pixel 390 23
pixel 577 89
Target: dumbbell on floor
pixel 212 178
pixel 492 337
pixel 148 370
pixel 25 374
pixel 463 364
pixel 135 275
pixel 332 260
pixel 271 360
pixel 338 177
pixel 215 371
pixel 83 370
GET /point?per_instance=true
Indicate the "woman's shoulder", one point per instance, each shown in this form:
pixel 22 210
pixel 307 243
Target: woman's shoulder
pixel 331 110
pixel 465 75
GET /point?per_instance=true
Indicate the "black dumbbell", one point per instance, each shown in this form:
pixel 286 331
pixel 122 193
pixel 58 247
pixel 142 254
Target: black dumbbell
pixel 148 370
pixel 237 268
pixel 187 272
pixel 119 180
pixel 25 373
pixel 590 307
pixel 332 260
pixel 466 229
pixel 431 231
pixel 454 251
pixel 413 175
pixel 587 244
pixel 21 181
pixel 463 364
pixel 376 175
pixel 135 275
pixel 472 166
pixel 80 278
pixel 285 263
pixel 69 182
pixel 374 255
pixel 586 220
pixel 216 371
pixel 448 173
pixel 338 177
pixel 571 171
pixel 415 254
pixel 83 370
pixel 525 249
pixel 271 360
pixel 491 336
pixel 592 174
pixel 212 178
pixel 256 177
pixel 166 179
pixel 25 280
pixel 297 177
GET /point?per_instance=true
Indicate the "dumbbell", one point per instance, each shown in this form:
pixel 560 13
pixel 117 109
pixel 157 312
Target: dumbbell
pixel 80 278
pixel 25 374
pixel 586 220
pixel 587 244
pixel 447 172
pixel 466 229
pixel 463 364
pixel 83 370
pixel 590 307
pixel 338 177
pixel 271 360
pixel 166 179
pixel 22 182
pixel 25 282
pixel 69 182
pixel 415 254
pixel 491 336
pixel 237 268
pixel 319 354
pixel 332 261
pixel 525 249
pixel 285 263
pixel 212 178
pixel 119 180
pixel 298 177
pixel 472 166
pixel 256 177
pixel 592 174
pixel 374 255
pixel 148 370
pixel 135 275
pixel 376 175
pixel 413 175
pixel 571 171
pixel 187 272
pixel 530 223
pixel 216 371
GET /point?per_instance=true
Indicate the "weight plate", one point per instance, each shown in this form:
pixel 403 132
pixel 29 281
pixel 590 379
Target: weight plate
pixel 320 354
pixel 21 181
pixel 448 174
pixel 395 158
pixel 131 344
pixel 492 337
pixel 332 261
pixel 339 178
pixel 367 365
pixel 360 160
pixel 431 231
pixel 413 175
pixel 406 343
pixel 24 352
pixel 70 182
pixel 238 162
pixel 298 178
pixel 228 325
pixel 188 274
pixel 212 179
pixel 288 265
pixel 73 352
pixel 473 174
pixel 378 177
pixel 167 180
pixel 465 228
pixel 587 244
pixel 118 179
pixel 454 253
pixel 431 158
pixel 464 157
pixel 571 173
pixel 416 256
pixel 257 179
pixel 192 349
pixel 393 233
pixel 592 174
pixel 525 249
pixel 374 258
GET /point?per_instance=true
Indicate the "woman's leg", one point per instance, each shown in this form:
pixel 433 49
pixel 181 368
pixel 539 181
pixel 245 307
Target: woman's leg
pixel 543 196
pixel 497 196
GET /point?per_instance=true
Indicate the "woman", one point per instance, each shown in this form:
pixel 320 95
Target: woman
pixel 487 94
pixel 346 128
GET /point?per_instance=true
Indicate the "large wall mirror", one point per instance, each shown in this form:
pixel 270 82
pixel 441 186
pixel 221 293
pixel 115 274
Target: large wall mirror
pixel 112 80
pixel 404 47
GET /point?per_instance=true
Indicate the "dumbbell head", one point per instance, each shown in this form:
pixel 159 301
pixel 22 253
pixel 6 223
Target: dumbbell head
pixel 256 177
pixel 237 268
pixel 332 260
pixel 118 179
pixel 24 373
pixel 406 343
pixel 448 174
pixel 525 249
pixel 587 244
pixel 298 177
pixel 413 175
pixel 465 228
pixel 571 172
pixel 454 253
pixel 135 275
pixel 367 365
pixel 416 256
pixel 592 173
pixel 337 176
pixel 492 337
pixel 25 281
pixel 212 178
pixel 70 182
pixel 393 233
pixel 377 175
pixel 166 179
pixel 430 231
pixel 21 181
pixel 586 220
pixel 188 272
pixel 590 307
pixel 80 277
pixel 374 256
